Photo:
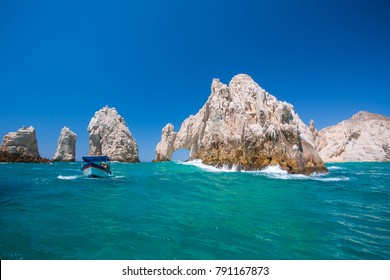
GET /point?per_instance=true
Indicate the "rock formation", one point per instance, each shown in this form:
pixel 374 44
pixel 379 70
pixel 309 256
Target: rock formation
pixel 109 135
pixel 166 146
pixel 363 137
pixel 66 148
pixel 242 124
pixel 21 146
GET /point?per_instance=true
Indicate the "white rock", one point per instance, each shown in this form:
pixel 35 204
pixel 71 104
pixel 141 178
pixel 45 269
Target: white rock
pixel 21 146
pixel 165 147
pixel 109 135
pixel 242 124
pixel 363 137
pixel 66 148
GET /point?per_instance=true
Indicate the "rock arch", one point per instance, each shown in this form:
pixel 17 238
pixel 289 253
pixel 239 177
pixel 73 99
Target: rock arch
pixel 242 124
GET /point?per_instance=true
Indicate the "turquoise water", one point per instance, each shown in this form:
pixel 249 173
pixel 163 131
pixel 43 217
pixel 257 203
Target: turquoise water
pixel 188 211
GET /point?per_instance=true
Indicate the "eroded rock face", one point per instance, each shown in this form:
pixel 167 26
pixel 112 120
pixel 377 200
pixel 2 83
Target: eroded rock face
pixel 21 146
pixel 363 137
pixel 109 135
pixel 166 146
pixel 66 148
pixel 242 124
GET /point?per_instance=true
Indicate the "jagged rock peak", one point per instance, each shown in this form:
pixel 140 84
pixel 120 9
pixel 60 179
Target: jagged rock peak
pixel 21 146
pixel 367 116
pixel 109 135
pixel 66 148
pixel 363 137
pixel 242 124
pixel 166 146
pixel 243 83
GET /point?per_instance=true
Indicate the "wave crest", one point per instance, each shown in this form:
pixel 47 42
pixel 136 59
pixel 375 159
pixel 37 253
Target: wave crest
pixel 198 163
pixel 335 168
pixel 275 172
pixel 272 171
pixel 73 177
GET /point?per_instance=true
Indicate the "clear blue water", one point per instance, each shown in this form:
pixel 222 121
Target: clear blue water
pixel 180 211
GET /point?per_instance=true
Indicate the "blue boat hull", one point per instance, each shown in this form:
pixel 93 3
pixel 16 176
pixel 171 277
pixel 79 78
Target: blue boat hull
pixel 95 170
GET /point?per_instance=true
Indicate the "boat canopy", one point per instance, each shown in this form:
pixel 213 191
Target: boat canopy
pixel 95 158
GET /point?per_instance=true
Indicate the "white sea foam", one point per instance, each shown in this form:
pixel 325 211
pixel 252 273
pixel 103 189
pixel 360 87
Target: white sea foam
pixel 331 179
pixel 198 163
pixel 272 171
pixel 335 168
pixel 61 177
pixel 275 172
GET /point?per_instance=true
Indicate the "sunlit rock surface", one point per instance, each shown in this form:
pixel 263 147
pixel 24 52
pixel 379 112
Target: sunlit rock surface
pixel 363 137
pixel 66 148
pixel 21 146
pixel 109 135
pixel 243 125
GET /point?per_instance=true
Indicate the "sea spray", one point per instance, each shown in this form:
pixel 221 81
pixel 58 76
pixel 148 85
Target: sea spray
pixel 71 177
pixel 272 171
pixel 198 163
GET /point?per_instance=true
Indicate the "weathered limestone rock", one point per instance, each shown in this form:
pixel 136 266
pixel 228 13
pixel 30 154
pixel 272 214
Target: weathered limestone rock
pixel 242 124
pixel 66 148
pixel 21 146
pixel 363 137
pixel 166 146
pixel 109 135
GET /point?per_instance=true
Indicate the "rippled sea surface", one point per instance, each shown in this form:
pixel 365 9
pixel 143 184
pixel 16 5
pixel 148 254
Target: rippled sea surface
pixel 191 211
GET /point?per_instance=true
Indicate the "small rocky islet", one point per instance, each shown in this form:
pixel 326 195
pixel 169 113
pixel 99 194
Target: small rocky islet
pixel 108 135
pixel 240 125
pixel 66 148
pixel 21 146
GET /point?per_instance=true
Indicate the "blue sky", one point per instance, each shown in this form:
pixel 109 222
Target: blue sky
pixel 60 61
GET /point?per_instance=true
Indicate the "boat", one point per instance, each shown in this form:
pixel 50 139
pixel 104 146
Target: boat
pixel 96 166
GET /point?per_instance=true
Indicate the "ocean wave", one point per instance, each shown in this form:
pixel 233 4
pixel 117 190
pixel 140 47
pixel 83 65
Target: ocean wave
pixel 335 179
pixel 73 177
pixel 272 171
pixel 117 177
pixel 198 163
pixel 275 172
pixel 335 168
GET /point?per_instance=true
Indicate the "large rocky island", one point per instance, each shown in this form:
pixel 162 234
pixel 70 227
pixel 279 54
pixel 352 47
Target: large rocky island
pixel 363 137
pixel 21 146
pixel 109 135
pixel 241 124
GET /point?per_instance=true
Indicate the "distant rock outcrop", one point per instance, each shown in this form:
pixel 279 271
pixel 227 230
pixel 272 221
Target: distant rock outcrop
pixel 66 148
pixel 242 124
pixel 109 135
pixel 21 146
pixel 363 137
pixel 166 146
